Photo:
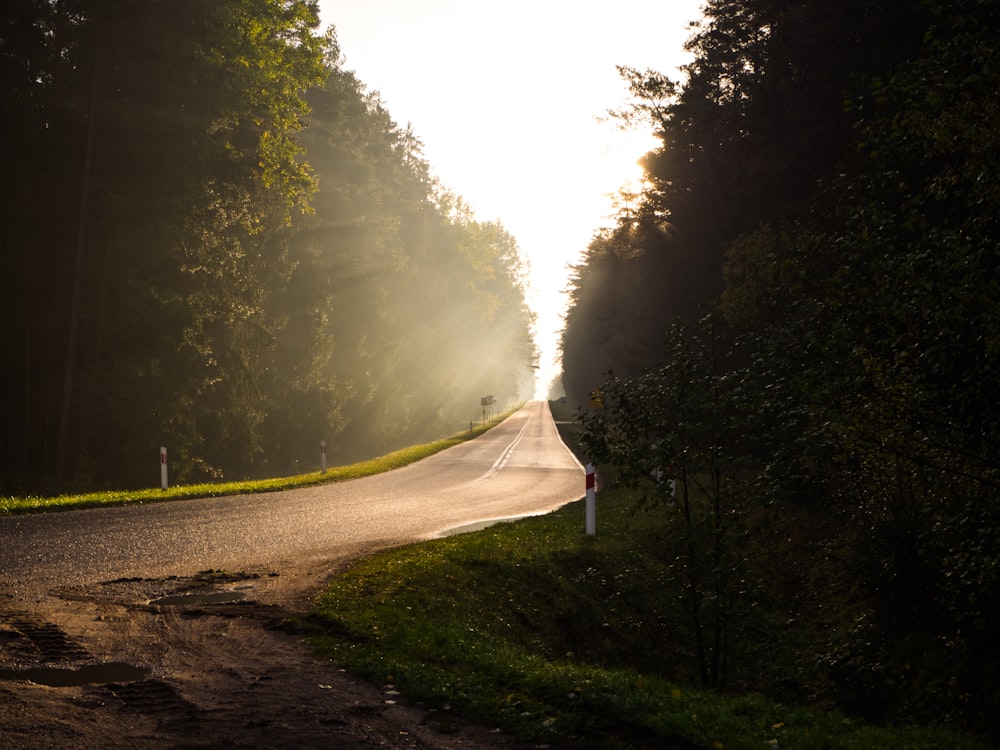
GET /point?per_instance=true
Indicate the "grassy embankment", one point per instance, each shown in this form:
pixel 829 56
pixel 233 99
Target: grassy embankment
pixel 10 505
pixel 560 638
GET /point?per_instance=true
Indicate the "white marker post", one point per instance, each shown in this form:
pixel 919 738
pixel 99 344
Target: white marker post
pixel 322 456
pixel 163 468
pixel 591 502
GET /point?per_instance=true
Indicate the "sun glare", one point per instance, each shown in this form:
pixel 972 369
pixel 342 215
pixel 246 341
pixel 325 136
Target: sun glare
pixel 510 105
pixel 599 196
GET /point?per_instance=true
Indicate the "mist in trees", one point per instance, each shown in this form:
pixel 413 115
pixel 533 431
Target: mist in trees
pixel 826 189
pixel 215 239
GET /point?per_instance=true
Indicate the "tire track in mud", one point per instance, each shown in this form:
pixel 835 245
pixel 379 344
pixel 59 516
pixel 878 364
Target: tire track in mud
pixel 153 698
pixel 222 671
pixel 29 637
pixel 190 631
pixel 35 650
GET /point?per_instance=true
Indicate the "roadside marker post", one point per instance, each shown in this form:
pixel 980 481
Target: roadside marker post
pixel 322 456
pixel 163 467
pixel 591 502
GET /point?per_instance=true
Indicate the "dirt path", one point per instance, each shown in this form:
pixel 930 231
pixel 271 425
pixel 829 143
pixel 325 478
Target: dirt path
pixel 219 668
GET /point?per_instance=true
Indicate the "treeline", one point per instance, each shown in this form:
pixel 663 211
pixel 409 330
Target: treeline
pixel 796 335
pixel 215 239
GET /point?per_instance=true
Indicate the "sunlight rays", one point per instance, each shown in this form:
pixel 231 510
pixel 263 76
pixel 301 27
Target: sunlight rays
pixel 511 108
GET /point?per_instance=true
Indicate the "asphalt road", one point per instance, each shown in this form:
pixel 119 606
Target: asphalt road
pixel 127 589
pixel 519 468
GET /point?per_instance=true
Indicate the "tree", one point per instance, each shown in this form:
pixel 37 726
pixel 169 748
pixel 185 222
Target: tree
pixel 402 309
pixel 166 168
pixel 890 293
pixel 746 139
pixel 675 433
pixel 833 166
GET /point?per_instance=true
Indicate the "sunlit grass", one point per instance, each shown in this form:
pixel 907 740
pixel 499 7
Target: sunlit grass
pixel 394 460
pixel 536 628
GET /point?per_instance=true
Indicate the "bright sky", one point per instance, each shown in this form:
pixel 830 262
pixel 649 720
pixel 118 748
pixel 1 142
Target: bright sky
pixel 507 100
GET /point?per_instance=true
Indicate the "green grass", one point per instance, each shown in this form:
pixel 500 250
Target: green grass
pixel 562 639
pixel 536 628
pixel 394 460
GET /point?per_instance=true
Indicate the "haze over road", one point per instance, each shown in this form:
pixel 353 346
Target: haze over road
pixel 519 468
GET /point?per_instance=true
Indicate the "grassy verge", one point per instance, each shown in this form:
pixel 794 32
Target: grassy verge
pixel 560 638
pixel 394 460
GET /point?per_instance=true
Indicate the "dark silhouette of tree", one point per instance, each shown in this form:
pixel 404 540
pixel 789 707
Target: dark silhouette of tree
pixel 750 134
pixel 890 293
pixel 830 169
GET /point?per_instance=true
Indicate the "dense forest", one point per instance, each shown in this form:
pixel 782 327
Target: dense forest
pixel 792 340
pixel 215 239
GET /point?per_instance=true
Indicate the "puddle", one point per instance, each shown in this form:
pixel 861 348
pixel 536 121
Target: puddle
pixel 92 674
pixel 207 597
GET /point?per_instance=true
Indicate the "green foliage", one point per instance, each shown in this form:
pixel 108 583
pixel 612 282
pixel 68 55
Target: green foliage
pixel 613 321
pixel 834 165
pixel 891 298
pixel 415 308
pixel 217 241
pixel 747 139
pixel 673 433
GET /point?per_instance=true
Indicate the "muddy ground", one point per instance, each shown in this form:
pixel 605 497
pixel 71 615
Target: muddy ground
pixel 213 665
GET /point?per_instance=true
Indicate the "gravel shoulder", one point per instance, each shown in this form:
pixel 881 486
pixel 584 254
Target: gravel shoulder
pixel 214 665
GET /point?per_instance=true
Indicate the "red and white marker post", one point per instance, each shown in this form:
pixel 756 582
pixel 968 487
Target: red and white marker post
pixel 322 456
pixel 163 468
pixel 591 502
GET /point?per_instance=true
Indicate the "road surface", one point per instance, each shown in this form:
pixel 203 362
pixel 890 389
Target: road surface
pixel 518 468
pixel 81 590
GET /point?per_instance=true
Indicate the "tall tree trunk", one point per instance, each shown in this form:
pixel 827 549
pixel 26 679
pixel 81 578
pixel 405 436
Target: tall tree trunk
pixel 28 302
pixel 69 381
